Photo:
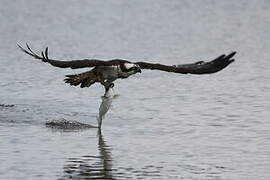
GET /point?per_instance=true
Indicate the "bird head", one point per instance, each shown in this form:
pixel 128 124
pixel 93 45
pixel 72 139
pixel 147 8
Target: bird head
pixel 131 68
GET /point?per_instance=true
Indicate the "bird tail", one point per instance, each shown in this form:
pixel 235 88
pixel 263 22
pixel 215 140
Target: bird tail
pixel 85 79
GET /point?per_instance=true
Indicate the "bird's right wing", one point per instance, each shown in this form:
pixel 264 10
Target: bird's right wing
pixel 199 67
pixel 73 64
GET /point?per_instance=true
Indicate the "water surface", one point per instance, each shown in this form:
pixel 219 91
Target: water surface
pixel 163 125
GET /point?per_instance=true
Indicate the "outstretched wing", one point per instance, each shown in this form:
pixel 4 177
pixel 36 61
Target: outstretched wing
pixel 73 64
pixel 200 67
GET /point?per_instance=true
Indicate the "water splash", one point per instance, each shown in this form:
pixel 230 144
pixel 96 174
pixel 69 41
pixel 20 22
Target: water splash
pixel 6 105
pixel 63 124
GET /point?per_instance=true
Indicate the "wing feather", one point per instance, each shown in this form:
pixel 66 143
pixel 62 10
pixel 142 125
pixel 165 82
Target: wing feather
pixel 73 64
pixel 199 67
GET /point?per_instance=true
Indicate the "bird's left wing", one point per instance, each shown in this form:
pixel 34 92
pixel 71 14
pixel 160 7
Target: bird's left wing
pixel 73 64
pixel 200 67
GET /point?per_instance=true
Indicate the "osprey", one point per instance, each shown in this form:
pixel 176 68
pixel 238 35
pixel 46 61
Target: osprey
pixel 106 72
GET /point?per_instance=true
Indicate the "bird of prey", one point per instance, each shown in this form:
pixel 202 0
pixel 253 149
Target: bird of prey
pixel 106 72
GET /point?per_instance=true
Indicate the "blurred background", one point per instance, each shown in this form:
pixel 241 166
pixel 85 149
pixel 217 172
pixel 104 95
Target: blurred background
pixel 163 125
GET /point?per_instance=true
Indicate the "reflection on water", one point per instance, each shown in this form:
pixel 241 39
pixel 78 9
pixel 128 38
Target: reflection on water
pixel 91 167
pixel 101 166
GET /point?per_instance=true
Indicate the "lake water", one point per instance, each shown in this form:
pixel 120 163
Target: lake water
pixel 162 125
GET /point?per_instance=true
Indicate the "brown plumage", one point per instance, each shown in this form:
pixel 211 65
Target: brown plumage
pixel 106 72
pixel 85 79
pixel 200 67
